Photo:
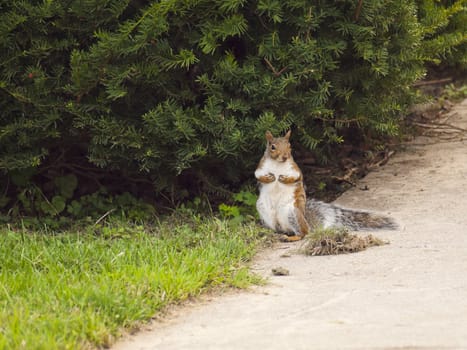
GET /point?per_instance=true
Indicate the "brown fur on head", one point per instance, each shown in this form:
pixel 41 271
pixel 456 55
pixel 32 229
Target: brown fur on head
pixel 279 148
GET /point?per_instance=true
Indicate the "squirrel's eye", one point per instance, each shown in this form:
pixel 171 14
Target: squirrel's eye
pixel 273 147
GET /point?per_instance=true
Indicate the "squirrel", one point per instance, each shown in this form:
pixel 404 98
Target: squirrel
pixel 282 204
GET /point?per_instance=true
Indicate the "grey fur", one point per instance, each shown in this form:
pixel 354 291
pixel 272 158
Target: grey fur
pixel 329 215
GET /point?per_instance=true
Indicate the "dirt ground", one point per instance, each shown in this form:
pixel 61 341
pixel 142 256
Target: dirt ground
pixel 410 294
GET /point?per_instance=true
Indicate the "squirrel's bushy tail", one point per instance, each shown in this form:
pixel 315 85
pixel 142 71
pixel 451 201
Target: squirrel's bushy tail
pixel 329 215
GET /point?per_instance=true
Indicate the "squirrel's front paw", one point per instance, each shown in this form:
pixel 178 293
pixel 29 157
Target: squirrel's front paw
pixel 287 179
pixel 271 177
pixel 268 178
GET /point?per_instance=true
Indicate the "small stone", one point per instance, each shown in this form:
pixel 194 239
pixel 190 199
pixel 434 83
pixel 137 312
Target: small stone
pixel 280 271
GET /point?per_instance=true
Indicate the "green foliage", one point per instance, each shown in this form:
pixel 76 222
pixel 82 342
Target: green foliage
pixel 243 210
pixel 36 41
pixel 445 31
pixel 61 209
pixel 455 93
pixel 177 95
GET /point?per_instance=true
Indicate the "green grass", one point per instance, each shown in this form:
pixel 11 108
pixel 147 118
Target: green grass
pixel 79 290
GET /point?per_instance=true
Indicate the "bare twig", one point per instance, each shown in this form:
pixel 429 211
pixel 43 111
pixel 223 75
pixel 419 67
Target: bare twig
pixel 443 126
pixel 344 121
pixel 104 216
pixel 347 177
pixel 432 82
pixel 263 24
pixel 383 161
pixel 358 10
pixel 45 198
pixel 273 69
pixel 449 116
pixel 6 186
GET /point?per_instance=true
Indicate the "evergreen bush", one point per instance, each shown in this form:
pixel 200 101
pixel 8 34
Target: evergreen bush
pixel 444 25
pixel 176 95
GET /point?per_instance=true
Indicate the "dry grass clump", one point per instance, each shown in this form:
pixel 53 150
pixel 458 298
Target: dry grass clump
pixel 337 241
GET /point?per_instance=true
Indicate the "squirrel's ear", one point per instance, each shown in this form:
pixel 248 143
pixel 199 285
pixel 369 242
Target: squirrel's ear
pixel 269 136
pixel 287 136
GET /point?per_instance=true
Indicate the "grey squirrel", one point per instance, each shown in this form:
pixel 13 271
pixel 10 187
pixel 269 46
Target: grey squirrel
pixel 282 204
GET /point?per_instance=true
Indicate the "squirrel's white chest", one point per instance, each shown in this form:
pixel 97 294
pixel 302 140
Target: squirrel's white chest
pixel 277 194
pixel 276 200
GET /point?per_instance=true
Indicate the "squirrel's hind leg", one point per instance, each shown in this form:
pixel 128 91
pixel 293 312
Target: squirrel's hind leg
pixel 294 238
pixel 299 225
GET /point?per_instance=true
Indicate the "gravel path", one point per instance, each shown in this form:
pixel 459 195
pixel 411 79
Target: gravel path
pixel 410 294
